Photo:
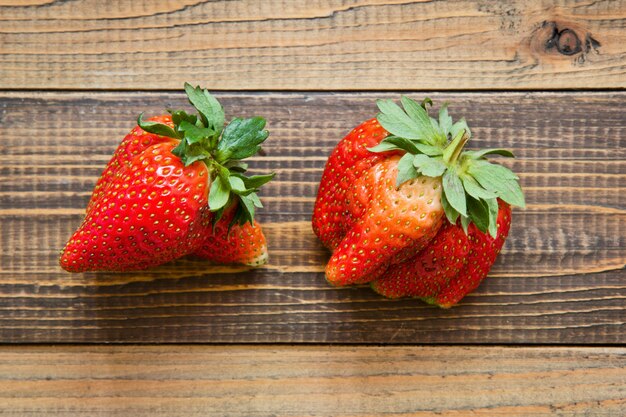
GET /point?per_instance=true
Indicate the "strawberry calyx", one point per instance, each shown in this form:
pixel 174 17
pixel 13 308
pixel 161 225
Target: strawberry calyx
pixel 435 148
pixel 203 137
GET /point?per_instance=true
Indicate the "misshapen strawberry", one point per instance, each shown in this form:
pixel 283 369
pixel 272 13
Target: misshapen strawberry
pixel 175 186
pixel 383 198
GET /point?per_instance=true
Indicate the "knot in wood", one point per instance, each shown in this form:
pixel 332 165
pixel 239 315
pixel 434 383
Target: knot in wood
pixel 568 42
pixel 565 41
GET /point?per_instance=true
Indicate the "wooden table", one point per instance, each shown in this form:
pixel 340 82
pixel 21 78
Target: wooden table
pixel 544 335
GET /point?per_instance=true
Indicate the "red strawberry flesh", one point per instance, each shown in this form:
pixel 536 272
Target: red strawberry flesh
pixel 348 161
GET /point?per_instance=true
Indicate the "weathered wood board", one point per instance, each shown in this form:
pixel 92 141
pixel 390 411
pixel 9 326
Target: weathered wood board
pixel 294 381
pixel 304 45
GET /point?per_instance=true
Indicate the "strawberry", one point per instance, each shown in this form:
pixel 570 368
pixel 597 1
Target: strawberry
pixel 175 186
pixel 390 185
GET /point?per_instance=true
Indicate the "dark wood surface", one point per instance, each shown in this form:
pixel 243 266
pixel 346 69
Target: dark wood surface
pixel 304 45
pixel 189 381
pixel 559 280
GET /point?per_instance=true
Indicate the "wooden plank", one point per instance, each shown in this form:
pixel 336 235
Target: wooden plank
pixel 560 278
pixel 312 381
pixel 328 45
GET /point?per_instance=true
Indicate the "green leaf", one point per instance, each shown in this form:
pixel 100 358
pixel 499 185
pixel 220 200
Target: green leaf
pixel 256 181
pixel 383 147
pixel 217 216
pixel 218 194
pixel 420 116
pixel 190 159
pixel 210 109
pixel 194 134
pixel 512 194
pixel 181 150
pixel 474 189
pixel 157 128
pixel 179 115
pixel 406 170
pixel 484 152
pixel 419 160
pixel 458 126
pixel 507 188
pixel 413 122
pixel 437 132
pixel 239 218
pixel 391 143
pixel 223 172
pixel 396 121
pixel 434 167
pixel 255 200
pixel 247 206
pixel 428 149
pixel 453 188
pixel 478 213
pixel 465 221
pixel 236 166
pixel 189 154
pixel 241 139
pixel 492 205
pixel 445 121
pixel 236 184
pixel 451 214
pixel 496 171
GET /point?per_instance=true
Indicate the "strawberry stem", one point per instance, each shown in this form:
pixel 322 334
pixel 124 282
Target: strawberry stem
pixel 453 150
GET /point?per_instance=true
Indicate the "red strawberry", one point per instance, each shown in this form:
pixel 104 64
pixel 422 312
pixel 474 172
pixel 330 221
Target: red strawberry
pixel 164 194
pixel 376 210
pixel 450 267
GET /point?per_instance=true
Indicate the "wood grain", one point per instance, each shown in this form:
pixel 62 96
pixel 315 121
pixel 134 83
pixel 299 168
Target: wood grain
pixel 560 278
pixel 312 381
pixel 303 45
